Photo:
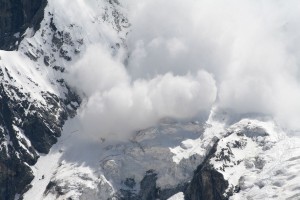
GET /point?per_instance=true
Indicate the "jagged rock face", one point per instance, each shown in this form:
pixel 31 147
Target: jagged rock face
pixel 207 183
pixel 15 17
pixel 31 116
pixel 35 100
pixel 24 134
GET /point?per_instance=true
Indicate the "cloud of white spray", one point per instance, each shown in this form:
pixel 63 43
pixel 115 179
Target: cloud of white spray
pixel 116 105
pixel 251 47
pixel 186 56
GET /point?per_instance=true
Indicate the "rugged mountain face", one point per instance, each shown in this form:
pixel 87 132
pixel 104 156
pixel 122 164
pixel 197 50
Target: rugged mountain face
pixel 26 127
pixel 172 161
pixel 35 101
pixel 143 168
pixel 15 17
pixel 43 150
pixel 26 130
pixel 207 182
pixel 31 115
pixel 31 120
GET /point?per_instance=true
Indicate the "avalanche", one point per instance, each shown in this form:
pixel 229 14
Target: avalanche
pixel 151 100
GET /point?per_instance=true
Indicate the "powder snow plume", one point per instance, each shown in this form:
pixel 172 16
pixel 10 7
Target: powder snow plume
pixel 181 58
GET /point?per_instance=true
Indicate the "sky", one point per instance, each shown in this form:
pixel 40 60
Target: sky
pixel 183 57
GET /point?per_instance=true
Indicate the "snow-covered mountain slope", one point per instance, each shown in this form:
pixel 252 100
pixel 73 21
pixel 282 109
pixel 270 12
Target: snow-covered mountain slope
pixel 35 100
pixel 259 160
pixel 42 157
pixel 250 159
pixel 32 114
pixel 81 168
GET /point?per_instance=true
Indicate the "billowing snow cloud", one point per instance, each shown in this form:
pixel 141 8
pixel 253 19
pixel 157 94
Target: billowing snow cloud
pixel 185 56
pixel 251 48
pixel 116 105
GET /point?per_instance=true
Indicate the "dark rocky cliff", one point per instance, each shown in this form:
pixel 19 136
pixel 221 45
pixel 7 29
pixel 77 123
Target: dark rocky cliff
pixel 41 125
pixel 27 127
pixel 207 182
pixel 15 17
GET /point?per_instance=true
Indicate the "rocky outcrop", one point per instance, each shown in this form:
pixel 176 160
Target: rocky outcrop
pixel 207 183
pixel 26 129
pixel 148 188
pixel 15 17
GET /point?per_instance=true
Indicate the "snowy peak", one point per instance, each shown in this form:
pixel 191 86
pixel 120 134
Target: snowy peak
pixel 35 100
